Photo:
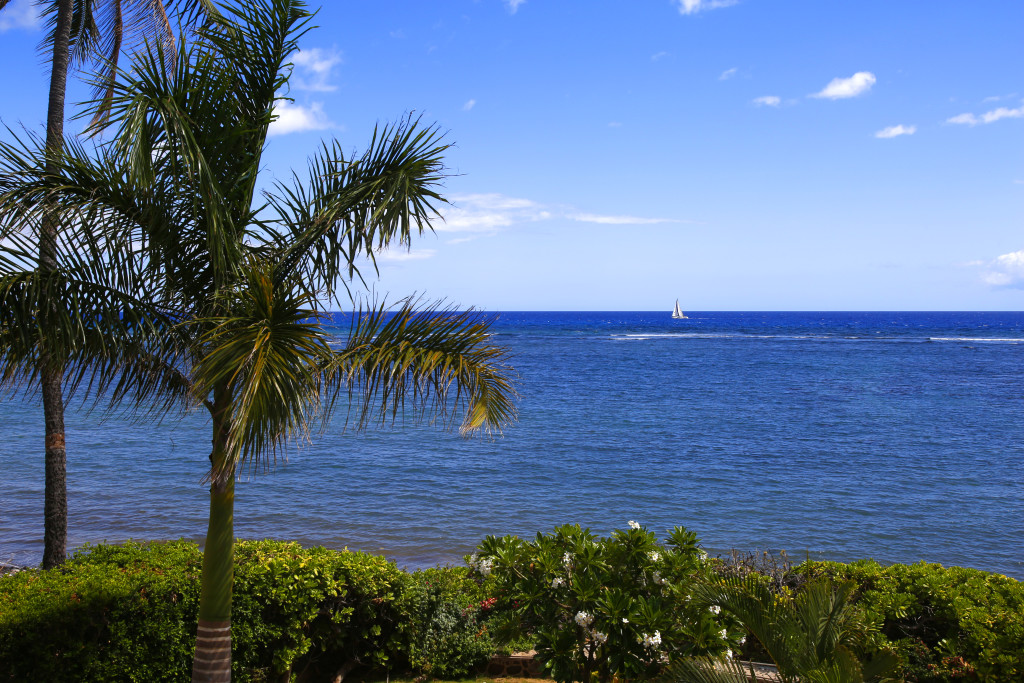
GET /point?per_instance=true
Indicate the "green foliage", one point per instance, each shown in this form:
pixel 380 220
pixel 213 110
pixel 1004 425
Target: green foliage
pixel 947 624
pixel 603 607
pixel 110 613
pixel 447 631
pixel 296 608
pixel 816 635
pixel 129 613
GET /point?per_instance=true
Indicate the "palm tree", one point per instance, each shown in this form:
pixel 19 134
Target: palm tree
pixel 817 636
pixel 80 33
pixel 230 283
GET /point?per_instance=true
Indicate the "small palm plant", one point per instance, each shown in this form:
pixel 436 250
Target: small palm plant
pixel 816 636
pixel 207 288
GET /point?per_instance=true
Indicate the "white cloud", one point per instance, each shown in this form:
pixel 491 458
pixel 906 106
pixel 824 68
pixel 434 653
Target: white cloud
pixel 402 255
pixel 19 14
pixel 294 118
pixel 841 88
pixel 969 119
pixel 896 131
pixel 657 56
pixel 1006 271
pixel 468 105
pixel 615 124
pixel 513 5
pixel 694 6
pixel 767 101
pixel 314 68
pixel 728 73
pixel 618 220
pixel 488 213
pixel 964 119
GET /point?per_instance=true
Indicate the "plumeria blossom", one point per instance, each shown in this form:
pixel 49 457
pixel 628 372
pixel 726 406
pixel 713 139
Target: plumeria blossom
pixel 599 638
pixel 728 654
pixel 557 582
pixel 567 559
pixel 584 619
pixel 625 620
pixel 650 641
pixel 485 566
pixel 654 555
pixel 715 609
pixel 743 640
pixel 702 555
pixel 658 579
pixel 633 525
pixel 724 633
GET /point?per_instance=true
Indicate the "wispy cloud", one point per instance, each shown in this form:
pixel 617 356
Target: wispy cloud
pixel 658 56
pixel 896 131
pixel 513 5
pixel 615 124
pixel 19 14
pixel 400 255
pixel 988 117
pixel 728 73
pixel 488 213
pixel 694 6
pixel 767 101
pixel 1006 271
pixel 468 105
pixel 618 220
pixel 313 69
pixel 842 88
pixel 294 118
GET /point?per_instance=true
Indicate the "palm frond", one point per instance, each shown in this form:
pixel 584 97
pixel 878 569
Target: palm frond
pixel 349 209
pixel 422 356
pixel 267 352
pixel 704 670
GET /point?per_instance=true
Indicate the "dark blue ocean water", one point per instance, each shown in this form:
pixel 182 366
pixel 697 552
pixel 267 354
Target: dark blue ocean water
pixel 897 436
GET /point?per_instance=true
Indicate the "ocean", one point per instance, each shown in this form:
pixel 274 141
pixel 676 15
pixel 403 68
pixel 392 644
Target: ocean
pixel 895 436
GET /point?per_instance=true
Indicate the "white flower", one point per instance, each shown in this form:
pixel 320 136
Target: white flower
pixel 633 525
pixel 743 640
pixel 650 641
pixel 473 559
pixel 728 654
pixel 724 633
pixel 599 638
pixel 485 566
pixel 557 582
pixel 655 556
pixel 625 620
pixel 584 619
pixel 567 559
pixel 702 555
pixel 658 578
pixel 715 609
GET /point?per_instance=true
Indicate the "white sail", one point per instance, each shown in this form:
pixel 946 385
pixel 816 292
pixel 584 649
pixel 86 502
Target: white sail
pixel 678 312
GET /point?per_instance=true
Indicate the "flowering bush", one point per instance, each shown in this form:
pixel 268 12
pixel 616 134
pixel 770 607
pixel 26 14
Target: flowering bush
pixel 604 607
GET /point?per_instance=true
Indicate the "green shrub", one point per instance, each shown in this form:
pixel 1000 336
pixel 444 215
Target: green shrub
pixel 604 607
pixel 447 631
pixel 947 624
pixel 129 613
pixel 313 609
pixel 110 613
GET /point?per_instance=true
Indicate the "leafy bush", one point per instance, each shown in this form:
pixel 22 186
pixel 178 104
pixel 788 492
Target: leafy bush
pixel 447 631
pixel 110 613
pixel 313 609
pixel 130 612
pixel 604 607
pixel 947 624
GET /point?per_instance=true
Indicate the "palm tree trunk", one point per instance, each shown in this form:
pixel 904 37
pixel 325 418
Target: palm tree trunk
pixel 212 661
pixel 55 506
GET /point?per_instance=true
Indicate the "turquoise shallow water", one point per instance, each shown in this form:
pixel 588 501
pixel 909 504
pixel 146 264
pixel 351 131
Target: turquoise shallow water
pixel 839 435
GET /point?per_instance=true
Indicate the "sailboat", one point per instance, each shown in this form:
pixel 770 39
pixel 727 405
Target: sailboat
pixel 678 313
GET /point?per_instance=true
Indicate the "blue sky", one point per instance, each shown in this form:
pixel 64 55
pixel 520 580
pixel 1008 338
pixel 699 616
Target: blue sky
pixel 747 155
